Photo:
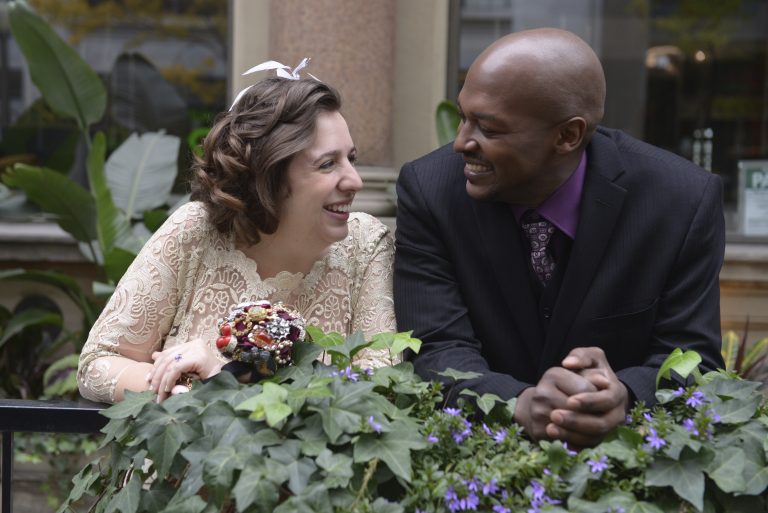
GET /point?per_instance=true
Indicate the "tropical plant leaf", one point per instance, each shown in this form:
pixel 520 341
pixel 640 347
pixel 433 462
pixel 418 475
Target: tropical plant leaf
pixel 26 319
pixel 69 85
pixel 729 349
pixel 114 228
pixel 754 356
pixel 60 378
pixel 140 173
pixel 56 194
pixel 447 118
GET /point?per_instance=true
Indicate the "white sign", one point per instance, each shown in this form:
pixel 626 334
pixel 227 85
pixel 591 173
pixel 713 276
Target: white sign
pixel 753 196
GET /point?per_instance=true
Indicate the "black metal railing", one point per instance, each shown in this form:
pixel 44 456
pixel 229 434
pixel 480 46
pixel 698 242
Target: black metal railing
pixel 57 416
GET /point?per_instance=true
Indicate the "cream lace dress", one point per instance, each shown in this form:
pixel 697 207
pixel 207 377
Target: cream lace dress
pixel 188 276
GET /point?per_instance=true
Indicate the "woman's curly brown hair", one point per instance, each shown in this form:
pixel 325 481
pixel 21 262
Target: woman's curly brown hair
pixel 241 177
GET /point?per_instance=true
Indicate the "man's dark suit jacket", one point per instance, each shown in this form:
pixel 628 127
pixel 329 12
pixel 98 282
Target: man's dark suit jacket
pixel 641 279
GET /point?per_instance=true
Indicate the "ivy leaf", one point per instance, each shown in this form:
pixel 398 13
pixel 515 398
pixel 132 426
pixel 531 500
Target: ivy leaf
pixel 338 468
pixel 299 473
pixel 727 468
pixel 324 340
pixel 396 342
pixel 458 375
pixel 340 415
pixel 127 499
pixel 219 466
pixel 755 473
pixel 130 406
pixel 83 480
pixel 382 505
pixel 681 362
pixel 254 486
pixel 685 476
pixel 193 504
pixel 312 435
pixel 165 447
pixel 270 403
pixel 485 402
pixel 353 344
pixel 735 411
pixel 393 448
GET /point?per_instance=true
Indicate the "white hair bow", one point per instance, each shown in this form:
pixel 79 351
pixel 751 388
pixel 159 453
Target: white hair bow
pixel 290 74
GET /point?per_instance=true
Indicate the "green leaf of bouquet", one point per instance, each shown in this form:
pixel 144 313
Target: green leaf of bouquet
pixel 684 475
pixel 337 467
pixel 130 406
pixel 127 499
pixel 73 206
pixel 727 468
pixel 459 375
pixel 681 362
pixel 393 448
pixel 70 86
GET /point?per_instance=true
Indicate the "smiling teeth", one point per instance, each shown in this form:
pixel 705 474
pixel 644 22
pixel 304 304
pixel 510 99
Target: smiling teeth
pixel 477 168
pixel 340 208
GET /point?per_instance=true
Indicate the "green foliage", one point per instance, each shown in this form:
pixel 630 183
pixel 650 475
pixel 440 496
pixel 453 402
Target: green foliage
pixel 740 357
pixel 339 438
pixel 447 119
pixel 69 85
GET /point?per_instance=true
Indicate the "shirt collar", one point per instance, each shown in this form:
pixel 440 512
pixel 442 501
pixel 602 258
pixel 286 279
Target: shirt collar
pixel 561 208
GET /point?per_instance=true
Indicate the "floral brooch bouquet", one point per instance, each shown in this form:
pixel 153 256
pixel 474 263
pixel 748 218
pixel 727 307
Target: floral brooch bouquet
pixel 259 337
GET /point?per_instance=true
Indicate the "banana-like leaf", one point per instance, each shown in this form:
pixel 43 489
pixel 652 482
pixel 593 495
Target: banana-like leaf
pixel 755 355
pixel 60 281
pixel 729 348
pixel 141 172
pixel 69 85
pixel 27 318
pixel 113 227
pixel 56 194
pixel 447 119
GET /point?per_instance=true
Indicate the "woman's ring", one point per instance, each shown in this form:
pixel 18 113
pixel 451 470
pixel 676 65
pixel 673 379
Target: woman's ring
pixel 177 357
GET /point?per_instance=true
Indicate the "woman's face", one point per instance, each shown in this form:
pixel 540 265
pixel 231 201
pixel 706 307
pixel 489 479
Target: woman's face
pixel 322 182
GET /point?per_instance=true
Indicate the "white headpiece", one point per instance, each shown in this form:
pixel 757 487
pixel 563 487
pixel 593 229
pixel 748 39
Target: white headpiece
pixel 291 74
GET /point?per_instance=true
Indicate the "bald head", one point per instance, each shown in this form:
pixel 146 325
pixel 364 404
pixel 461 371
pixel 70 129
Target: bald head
pixel 551 70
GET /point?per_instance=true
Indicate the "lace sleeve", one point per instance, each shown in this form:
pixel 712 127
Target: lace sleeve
pixel 139 315
pixel 373 311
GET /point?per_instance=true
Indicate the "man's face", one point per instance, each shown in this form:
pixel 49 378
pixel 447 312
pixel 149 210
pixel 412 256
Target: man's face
pixel 507 145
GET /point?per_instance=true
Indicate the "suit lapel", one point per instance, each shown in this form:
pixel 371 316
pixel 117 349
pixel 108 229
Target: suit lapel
pixel 601 204
pixel 502 249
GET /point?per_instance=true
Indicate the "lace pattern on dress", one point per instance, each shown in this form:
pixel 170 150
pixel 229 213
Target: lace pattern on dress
pixel 188 276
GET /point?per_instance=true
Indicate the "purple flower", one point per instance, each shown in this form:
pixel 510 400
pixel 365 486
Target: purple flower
pixel 696 399
pixel 690 426
pixel 431 438
pixel 713 416
pixel 538 497
pixel 347 373
pixel 374 425
pixel 567 450
pixel 677 393
pixel 597 466
pixel 490 488
pixel 471 484
pixel 487 430
pixel 368 371
pixel 453 412
pixel 500 435
pixel 647 416
pixel 498 508
pixel 654 440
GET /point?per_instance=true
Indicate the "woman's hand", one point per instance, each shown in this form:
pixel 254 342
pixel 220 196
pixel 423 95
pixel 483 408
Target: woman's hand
pixel 195 358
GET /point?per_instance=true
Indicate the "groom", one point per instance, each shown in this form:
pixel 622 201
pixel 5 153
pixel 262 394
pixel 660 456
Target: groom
pixel 561 260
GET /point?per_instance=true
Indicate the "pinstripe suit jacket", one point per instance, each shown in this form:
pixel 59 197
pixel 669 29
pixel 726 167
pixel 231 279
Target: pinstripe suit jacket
pixel 641 280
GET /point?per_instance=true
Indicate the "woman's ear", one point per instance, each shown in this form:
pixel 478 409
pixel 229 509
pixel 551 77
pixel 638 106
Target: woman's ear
pixel 571 134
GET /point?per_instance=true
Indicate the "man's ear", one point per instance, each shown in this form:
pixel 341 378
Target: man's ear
pixel 571 135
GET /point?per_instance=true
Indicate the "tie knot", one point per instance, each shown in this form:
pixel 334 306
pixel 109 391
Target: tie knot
pixel 538 230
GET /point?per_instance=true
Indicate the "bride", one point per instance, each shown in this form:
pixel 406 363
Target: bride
pixel 270 219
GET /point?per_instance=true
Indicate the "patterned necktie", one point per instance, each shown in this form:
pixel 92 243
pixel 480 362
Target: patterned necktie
pixel 539 232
